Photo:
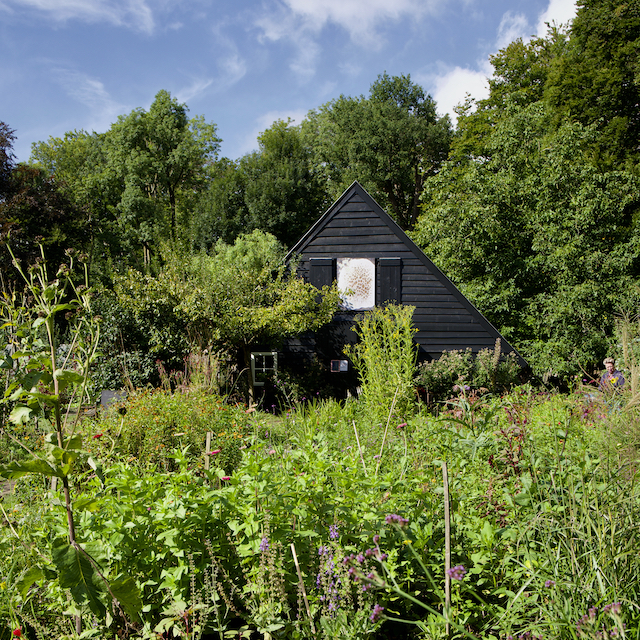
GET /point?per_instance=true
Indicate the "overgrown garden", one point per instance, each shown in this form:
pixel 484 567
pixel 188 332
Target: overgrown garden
pixel 449 498
pixel 181 513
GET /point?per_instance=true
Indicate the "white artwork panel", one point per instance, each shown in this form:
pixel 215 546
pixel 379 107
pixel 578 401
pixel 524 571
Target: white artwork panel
pixel 357 283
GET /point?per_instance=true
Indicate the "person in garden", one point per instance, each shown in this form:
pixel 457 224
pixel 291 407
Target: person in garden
pixel 612 378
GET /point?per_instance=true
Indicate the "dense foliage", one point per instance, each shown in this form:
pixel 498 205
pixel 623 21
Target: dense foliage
pixel 182 514
pixel 530 206
pixel 390 142
pixel 534 216
pixel 530 476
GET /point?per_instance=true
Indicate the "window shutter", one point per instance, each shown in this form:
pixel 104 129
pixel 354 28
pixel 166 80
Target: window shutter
pixel 390 280
pixel 322 272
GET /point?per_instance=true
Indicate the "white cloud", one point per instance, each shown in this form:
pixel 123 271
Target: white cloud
pixel 233 68
pixel 197 87
pixel 512 26
pixel 301 21
pixel 135 14
pixel 450 88
pixel 103 110
pixel 301 34
pixel 558 11
pixel 232 65
pixel 360 18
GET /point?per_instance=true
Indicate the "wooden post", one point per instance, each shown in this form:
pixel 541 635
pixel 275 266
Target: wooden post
pixel 207 448
pixel 447 548
pixel 304 593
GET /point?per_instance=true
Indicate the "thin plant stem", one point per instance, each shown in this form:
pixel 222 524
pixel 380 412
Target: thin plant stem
pixel 364 466
pixel 386 430
pixel 304 592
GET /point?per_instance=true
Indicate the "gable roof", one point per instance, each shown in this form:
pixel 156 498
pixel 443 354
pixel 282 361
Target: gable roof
pixel 356 226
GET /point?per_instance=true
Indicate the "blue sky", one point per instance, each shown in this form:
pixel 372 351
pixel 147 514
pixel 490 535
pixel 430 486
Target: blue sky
pixel 78 64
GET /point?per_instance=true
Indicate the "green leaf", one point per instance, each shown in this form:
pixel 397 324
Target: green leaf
pixel 63 307
pixel 66 377
pixel 77 574
pixel 20 414
pixel 128 595
pixel 27 579
pixel 17 469
pixel 86 504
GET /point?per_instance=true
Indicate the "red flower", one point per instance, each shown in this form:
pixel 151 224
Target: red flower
pixel 97 436
pixel 17 633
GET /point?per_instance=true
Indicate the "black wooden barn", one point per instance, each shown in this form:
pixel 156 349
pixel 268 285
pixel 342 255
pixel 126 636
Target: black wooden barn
pixel 356 243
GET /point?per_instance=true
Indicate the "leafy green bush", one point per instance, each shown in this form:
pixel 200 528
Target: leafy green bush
pixel 151 424
pixel 544 525
pixel 385 358
pixel 489 370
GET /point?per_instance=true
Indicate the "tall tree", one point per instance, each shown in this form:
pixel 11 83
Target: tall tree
pixel 284 193
pixel 597 81
pixel 79 163
pixel 34 211
pixel 157 154
pixel 134 177
pixel 520 74
pixel 220 211
pixel 7 157
pixel 538 237
pixel 390 141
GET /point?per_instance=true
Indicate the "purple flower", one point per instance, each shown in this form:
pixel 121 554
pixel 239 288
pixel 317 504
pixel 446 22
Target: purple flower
pixel 333 532
pixel 457 572
pixel 549 583
pixel 394 518
pixel 264 545
pixel 376 539
pixel 376 613
pixel 615 608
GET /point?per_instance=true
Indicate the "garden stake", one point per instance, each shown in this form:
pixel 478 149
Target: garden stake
pixel 447 546
pixel 207 448
pixel 304 592
pixel 386 430
pixel 359 449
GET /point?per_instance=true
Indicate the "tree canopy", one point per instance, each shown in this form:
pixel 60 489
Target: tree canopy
pixel 133 177
pixel 597 80
pixel 525 217
pixel 390 142
pixel 34 211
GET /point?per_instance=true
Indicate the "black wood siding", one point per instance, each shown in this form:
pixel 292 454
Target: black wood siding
pixel 356 227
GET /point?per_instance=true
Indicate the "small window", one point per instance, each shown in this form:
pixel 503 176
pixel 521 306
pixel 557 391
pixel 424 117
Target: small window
pixel 338 366
pixel 264 364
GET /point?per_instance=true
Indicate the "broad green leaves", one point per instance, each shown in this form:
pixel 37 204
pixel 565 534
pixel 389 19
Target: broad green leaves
pixel 77 573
